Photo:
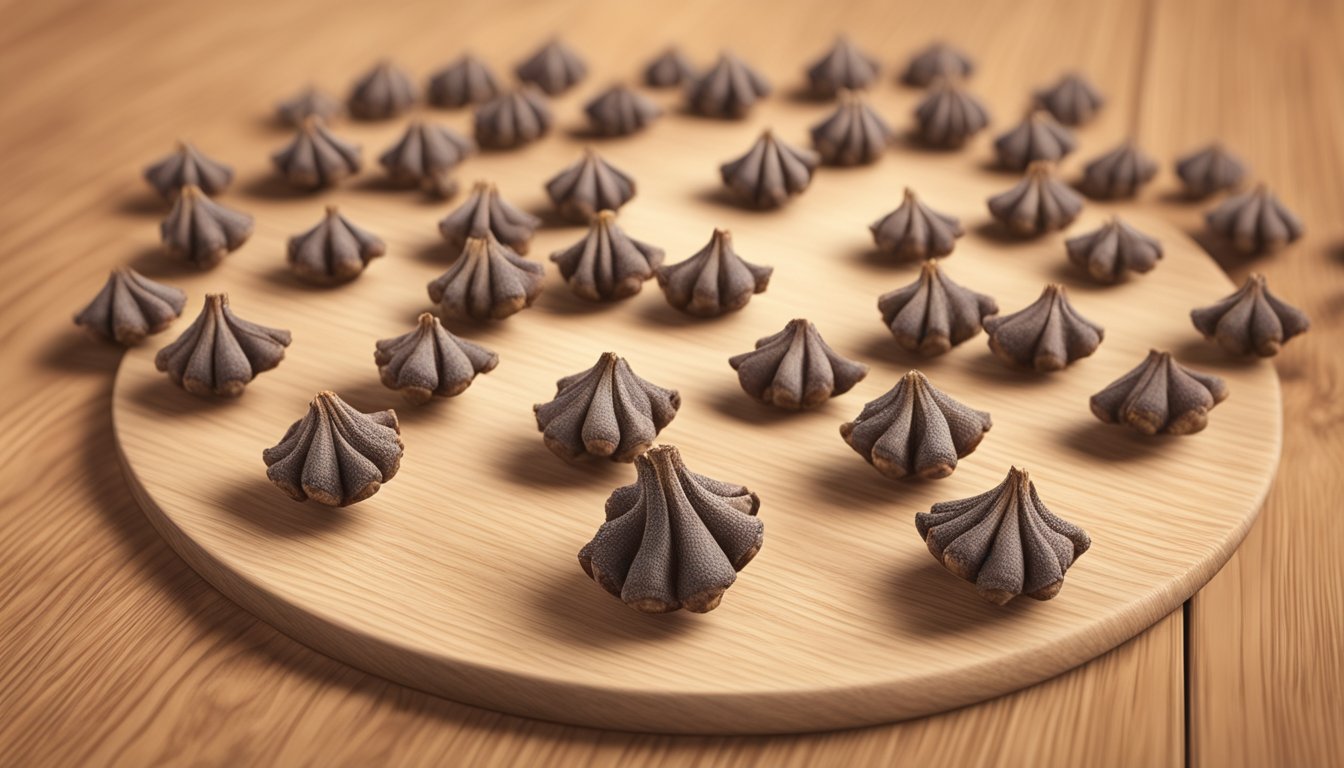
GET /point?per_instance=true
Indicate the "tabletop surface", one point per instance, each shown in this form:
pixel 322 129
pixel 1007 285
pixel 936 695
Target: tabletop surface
pixel 115 652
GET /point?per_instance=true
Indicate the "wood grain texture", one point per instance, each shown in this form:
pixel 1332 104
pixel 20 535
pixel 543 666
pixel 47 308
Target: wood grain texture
pixel 116 653
pixel 460 576
pixel 1266 635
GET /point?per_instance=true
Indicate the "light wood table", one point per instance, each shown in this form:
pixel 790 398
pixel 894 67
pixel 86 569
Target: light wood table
pixel 113 652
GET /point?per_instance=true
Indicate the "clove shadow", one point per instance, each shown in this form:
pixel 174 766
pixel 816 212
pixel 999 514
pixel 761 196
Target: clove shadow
pixel 910 139
pixel 1077 279
pixel 996 232
pixel 995 373
pixel 924 597
pixel 552 218
pixel 1200 352
pixel 660 313
pixel 527 461
pixel 558 299
pixel 739 406
pixel 283 276
pixel 440 253
pixel 1179 196
pixel 992 165
pixel 161 396
pixel 882 347
pixel 572 607
pixel 720 195
pixel 1229 258
pixel 71 350
pixel 272 186
pixel 144 202
pixel 155 262
pixel 849 481
pixel 258 503
pixel 1090 436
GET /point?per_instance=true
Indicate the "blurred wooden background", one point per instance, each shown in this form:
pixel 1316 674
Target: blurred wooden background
pixel 113 652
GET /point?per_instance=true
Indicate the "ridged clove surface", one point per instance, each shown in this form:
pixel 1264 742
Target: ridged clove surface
pixel 1121 172
pixel 770 173
pixel 1160 396
pixel 466 80
pixel 669 69
pixel 426 156
pixel 914 231
pixel 1113 250
pixel 1251 320
pixel 485 212
pixel 334 251
pixel 939 60
pixel 842 67
pixel 554 68
pixel 487 282
pixel 1210 169
pixel 202 231
pixel 512 119
pixel 1047 335
pixel 795 368
pixel 588 186
pixel 221 352
pixel 606 411
pixel 317 157
pixel 130 307
pixel 335 455
pixel 1255 222
pixel 854 134
pixel 713 281
pixel 933 314
pixel 1036 138
pixel 728 90
pixel 620 111
pixel 949 116
pixel 1072 100
pixel 915 430
pixel 430 361
pixel 381 93
pixel 188 166
pixel 1037 204
pixel 607 264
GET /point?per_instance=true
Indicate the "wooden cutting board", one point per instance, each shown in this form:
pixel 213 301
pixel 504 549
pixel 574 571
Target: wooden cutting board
pixel 460 576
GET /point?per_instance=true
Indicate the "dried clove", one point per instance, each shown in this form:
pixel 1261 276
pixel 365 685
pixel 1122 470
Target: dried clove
pixel 1037 204
pixel 607 264
pixel 915 430
pixel 670 68
pixel 854 134
pixel 949 116
pixel 588 186
pixel 915 231
pixel 1004 541
pixel 309 102
pixel 1072 99
pixel 933 314
pixel 486 213
pixel 467 80
pixel 1119 172
pixel 487 282
pixel 430 362
pixel 1255 221
pixel 606 411
pixel 673 539
pixel 202 231
pixel 795 369
pixel 1047 335
pixel 1251 320
pixel 383 92
pixel 335 455
pixel 130 307
pixel 188 166
pixel 426 156
pixel 1112 250
pixel 1037 137
pixel 1160 396
pixel 938 60
pixel 843 67
pixel 554 68
pixel 1210 169
pixel 770 172
pixel 316 157
pixel 728 90
pixel 221 352
pixel 512 119
pixel 334 251
pixel 620 111
pixel 714 281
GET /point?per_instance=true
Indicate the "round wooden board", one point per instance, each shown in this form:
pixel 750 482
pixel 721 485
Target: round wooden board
pixel 459 577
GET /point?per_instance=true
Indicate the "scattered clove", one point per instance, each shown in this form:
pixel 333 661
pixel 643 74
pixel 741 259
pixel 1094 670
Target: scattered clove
pixel 316 157
pixel 1037 204
pixel 843 67
pixel 334 251
pixel 486 213
pixel 1255 221
pixel 1047 335
pixel 335 455
pixel 512 119
pixel 795 369
pixel 1210 169
pixel 673 539
pixel 728 90
pixel 620 111
pixel 606 411
pixel 188 166
pixel 487 282
pixel 1112 250
pixel 607 264
pixel 426 156
pixel 467 80
pixel 588 186
pixel 309 102
pixel 915 430
pixel 383 92
pixel 770 172
pixel 1160 396
pixel 554 68
pixel 130 307
pixel 1250 321
pixel 1072 99
pixel 854 134
pixel 1004 541
pixel 1118 173
pixel 933 314
pixel 938 60
pixel 915 231
pixel 430 362
pixel 221 352
pixel 670 68
pixel 714 281
pixel 1038 137
pixel 949 116
pixel 202 231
